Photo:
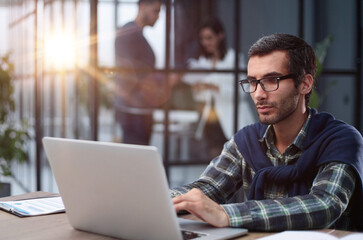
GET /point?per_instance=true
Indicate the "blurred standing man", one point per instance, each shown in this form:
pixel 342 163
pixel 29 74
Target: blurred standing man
pixel 139 90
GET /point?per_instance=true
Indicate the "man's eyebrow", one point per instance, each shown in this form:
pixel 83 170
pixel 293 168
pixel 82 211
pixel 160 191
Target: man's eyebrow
pixel 273 74
pixel 250 77
pixel 270 74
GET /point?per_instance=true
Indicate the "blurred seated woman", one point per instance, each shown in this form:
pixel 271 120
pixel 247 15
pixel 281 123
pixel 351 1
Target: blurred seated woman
pixel 215 90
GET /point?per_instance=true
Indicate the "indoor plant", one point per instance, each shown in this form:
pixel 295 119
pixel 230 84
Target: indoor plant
pixel 321 50
pixel 13 138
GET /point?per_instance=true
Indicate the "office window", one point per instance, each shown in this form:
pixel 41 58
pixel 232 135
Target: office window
pixel 61 92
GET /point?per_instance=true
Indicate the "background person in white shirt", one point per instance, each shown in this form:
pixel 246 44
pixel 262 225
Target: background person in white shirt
pixel 214 54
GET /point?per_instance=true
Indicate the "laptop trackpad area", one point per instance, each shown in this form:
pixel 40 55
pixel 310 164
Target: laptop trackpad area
pixel 204 231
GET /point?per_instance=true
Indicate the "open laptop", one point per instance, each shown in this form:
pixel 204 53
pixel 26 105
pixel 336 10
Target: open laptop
pixel 120 190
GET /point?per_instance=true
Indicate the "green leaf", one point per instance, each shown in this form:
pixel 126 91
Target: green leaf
pixel 13 140
pixel 314 99
pixel 320 53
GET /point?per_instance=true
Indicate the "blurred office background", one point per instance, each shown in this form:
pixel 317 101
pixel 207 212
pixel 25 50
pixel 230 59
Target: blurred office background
pixel 64 69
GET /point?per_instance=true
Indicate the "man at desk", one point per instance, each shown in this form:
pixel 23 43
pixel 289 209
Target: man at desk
pixel 299 169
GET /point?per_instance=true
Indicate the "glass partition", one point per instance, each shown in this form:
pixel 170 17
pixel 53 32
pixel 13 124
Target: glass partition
pixel 64 84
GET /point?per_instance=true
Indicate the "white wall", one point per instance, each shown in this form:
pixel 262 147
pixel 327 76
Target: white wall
pixel 4 31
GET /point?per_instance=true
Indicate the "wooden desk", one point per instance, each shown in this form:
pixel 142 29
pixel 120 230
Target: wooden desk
pixel 56 226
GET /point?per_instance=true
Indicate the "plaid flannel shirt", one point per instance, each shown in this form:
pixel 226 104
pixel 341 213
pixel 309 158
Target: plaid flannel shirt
pixel 327 200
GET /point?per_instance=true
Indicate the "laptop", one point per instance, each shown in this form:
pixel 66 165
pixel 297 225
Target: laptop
pixel 121 190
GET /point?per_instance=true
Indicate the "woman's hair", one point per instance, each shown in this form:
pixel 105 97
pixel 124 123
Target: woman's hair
pixel 301 55
pixel 217 27
pixel 150 1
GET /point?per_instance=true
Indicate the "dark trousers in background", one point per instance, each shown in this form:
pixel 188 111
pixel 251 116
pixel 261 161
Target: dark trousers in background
pixel 136 129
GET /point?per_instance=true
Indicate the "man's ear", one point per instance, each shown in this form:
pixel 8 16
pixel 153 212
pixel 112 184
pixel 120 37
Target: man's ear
pixel 306 84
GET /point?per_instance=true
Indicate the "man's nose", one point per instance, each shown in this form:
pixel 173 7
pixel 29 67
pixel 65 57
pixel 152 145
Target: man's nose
pixel 259 93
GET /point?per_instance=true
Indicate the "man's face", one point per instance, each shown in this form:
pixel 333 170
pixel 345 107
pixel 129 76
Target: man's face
pixel 273 107
pixel 150 13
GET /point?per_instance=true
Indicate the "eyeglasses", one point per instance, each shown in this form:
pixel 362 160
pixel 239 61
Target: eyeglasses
pixel 268 84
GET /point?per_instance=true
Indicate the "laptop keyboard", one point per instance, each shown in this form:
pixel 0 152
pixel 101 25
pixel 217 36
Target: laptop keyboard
pixel 191 235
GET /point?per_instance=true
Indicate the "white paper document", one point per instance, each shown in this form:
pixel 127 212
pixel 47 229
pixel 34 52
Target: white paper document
pixel 34 207
pixel 310 235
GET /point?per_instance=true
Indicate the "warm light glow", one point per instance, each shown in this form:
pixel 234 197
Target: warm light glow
pixel 59 50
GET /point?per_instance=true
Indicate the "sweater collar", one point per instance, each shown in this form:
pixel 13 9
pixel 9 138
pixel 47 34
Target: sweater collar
pixel 269 135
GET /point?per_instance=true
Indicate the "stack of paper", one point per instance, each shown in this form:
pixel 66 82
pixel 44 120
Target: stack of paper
pixel 34 207
pixel 310 235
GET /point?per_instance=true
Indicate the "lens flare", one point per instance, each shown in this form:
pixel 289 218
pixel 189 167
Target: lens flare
pixel 59 50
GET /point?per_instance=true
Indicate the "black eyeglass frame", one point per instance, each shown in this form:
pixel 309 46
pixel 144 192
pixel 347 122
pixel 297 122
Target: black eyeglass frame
pixel 277 79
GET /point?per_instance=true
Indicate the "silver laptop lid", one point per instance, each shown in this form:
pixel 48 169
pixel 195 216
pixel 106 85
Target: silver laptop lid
pixel 113 189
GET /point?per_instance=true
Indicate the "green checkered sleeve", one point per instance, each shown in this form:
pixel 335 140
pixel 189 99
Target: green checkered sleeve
pixel 222 177
pixel 327 201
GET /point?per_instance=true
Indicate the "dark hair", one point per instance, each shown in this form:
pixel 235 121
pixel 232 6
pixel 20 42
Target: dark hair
pixel 301 55
pixel 217 28
pixel 150 1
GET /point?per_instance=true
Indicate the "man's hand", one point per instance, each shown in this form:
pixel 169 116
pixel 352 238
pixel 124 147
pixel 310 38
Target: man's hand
pixel 197 203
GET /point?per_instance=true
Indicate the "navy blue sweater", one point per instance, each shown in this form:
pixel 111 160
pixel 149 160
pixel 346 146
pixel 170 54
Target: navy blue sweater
pixel 328 140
